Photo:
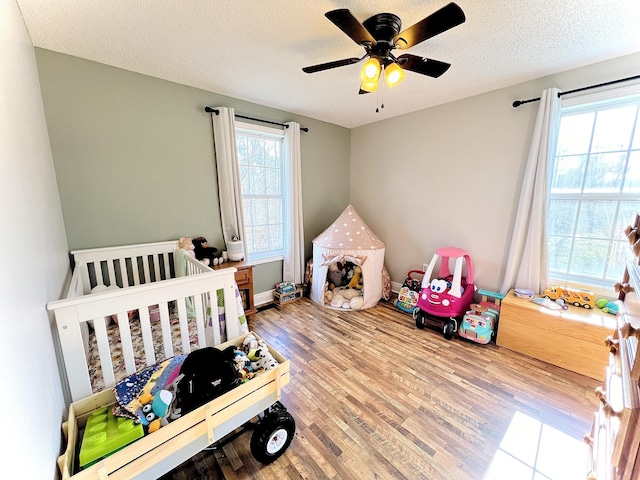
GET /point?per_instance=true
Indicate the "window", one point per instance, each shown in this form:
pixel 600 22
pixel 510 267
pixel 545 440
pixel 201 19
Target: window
pixel 260 157
pixel 595 191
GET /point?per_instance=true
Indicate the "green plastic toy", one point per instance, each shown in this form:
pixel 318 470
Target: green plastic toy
pixel 105 434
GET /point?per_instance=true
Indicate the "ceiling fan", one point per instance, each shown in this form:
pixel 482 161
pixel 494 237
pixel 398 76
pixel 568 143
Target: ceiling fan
pixel 380 34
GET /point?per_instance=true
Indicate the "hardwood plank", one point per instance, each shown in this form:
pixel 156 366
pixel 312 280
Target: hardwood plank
pixel 374 397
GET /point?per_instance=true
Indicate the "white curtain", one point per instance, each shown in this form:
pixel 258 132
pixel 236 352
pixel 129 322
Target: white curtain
pixel 229 189
pixel 294 264
pixel 527 263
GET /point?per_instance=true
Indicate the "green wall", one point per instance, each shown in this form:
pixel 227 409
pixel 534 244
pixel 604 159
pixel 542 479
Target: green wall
pixel 134 160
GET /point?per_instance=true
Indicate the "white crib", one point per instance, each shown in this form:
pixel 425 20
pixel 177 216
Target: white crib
pixel 145 275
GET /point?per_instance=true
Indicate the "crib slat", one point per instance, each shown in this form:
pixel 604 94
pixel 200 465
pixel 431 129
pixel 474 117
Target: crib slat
pixel 166 329
pixel 145 265
pixel 211 320
pixel 127 346
pixel 147 336
pixel 156 268
pixel 123 272
pixel 134 267
pixel 231 311
pixel 167 266
pixel 202 341
pixel 100 327
pixel 97 266
pixel 84 272
pixel 70 335
pixel 184 327
pixel 112 272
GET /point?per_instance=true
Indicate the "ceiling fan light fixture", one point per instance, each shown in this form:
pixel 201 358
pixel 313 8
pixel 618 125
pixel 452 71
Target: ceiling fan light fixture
pixel 371 70
pixel 393 74
pixel 369 86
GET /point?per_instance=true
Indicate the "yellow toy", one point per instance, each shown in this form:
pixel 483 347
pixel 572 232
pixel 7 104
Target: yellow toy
pixel 356 280
pixel 571 296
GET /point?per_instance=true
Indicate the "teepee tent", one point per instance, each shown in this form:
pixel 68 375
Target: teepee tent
pixel 349 239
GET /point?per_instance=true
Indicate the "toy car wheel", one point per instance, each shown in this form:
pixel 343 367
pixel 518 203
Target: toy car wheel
pixel 448 329
pixel 272 436
pixel 419 318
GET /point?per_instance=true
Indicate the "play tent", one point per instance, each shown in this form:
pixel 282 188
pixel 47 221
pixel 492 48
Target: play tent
pixel 349 239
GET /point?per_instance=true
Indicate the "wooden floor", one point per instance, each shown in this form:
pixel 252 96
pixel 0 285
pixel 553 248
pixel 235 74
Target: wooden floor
pixel 375 398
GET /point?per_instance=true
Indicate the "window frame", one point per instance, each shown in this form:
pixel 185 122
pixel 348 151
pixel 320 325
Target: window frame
pixel 604 99
pixel 262 130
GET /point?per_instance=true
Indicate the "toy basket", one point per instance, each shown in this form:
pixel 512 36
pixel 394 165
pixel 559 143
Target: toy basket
pixel 408 294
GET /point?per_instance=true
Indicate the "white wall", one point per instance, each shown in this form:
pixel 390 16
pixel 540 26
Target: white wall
pixel 33 265
pixel 451 174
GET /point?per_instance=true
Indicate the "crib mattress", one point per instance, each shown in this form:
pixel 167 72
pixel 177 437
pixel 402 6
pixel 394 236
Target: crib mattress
pixel 163 450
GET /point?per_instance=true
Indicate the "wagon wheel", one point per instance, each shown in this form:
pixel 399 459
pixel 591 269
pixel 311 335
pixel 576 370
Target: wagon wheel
pixel 418 316
pixel 272 436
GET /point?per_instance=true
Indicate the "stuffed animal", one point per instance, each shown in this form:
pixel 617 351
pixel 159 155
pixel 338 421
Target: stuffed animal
pixel 243 366
pixel 356 303
pixel 334 275
pixel 356 279
pixel 337 301
pixel 204 252
pixel 186 244
pixel 328 295
pixel 250 343
pixel 155 409
pixel 347 293
pixel 262 359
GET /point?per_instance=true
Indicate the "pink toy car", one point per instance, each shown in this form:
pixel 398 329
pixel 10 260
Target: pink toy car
pixel 448 296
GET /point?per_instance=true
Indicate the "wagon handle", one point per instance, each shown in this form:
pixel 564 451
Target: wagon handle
pixel 419 272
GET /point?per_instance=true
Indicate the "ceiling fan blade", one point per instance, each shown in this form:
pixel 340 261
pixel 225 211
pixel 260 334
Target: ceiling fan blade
pixel 424 66
pixel 328 65
pixel 345 21
pixel 447 17
pixel 362 92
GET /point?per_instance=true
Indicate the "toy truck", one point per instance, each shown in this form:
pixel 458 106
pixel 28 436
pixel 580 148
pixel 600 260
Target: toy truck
pixel 571 296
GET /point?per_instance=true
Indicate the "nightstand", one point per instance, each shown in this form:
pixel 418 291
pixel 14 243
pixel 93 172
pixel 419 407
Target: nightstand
pixel 244 279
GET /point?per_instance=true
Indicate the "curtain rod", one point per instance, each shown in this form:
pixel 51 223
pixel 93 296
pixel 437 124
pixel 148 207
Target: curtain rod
pixel 517 103
pixel 217 112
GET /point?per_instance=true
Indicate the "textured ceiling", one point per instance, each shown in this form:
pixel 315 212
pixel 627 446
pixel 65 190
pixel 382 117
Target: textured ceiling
pixel 255 50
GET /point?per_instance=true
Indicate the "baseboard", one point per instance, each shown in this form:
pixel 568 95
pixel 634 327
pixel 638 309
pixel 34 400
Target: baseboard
pixel 263 298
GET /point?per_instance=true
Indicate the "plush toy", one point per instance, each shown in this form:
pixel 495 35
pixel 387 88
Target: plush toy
pixel 243 366
pixel 337 301
pixel 262 359
pixel 356 303
pixel 204 252
pixel 334 275
pixel 347 293
pixel 356 279
pixel 250 343
pixel 186 244
pixel 155 409
pixel 328 295
pixel 185 249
